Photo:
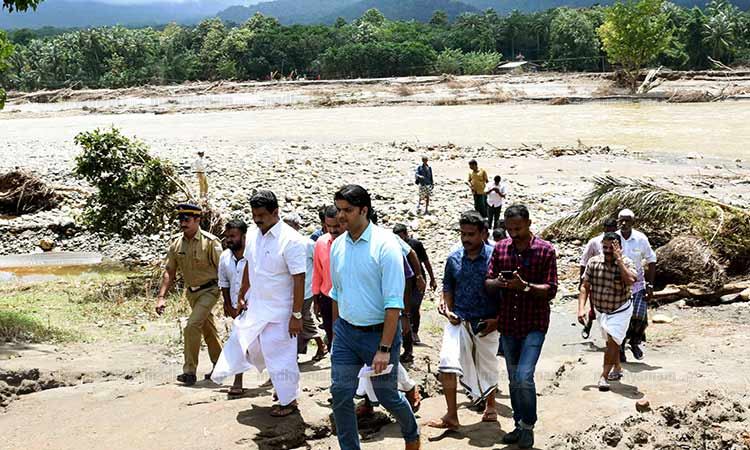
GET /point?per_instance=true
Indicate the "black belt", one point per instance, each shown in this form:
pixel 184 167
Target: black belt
pixel 211 283
pixel 367 329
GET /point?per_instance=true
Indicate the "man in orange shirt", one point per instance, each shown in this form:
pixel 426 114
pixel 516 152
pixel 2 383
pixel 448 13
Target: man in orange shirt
pixel 321 280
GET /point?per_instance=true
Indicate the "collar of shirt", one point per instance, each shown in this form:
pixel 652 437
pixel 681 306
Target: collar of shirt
pixel 365 236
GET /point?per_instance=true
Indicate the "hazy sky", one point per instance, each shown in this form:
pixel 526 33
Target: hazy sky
pixel 132 2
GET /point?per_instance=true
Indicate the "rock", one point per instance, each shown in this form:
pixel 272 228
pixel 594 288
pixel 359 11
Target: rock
pixel 643 405
pixel 662 318
pixel 612 436
pixel 46 244
pixel 28 387
pixel 694 155
pixel 729 298
pixel 745 295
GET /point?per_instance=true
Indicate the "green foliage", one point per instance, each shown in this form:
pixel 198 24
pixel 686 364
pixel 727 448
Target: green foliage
pixel 20 5
pixel 378 59
pixel 573 41
pixel 24 328
pixel 449 61
pixel 6 49
pixel 634 34
pixel 134 190
pixel 455 62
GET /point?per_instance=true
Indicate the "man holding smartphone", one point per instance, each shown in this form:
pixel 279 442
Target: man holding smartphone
pixel 470 337
pixel 524 313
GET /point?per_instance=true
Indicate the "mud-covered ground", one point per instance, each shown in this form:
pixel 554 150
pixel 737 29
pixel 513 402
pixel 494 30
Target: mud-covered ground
pixel 111 384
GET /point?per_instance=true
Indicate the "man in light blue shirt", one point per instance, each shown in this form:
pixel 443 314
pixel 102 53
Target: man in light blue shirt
pixel 367 274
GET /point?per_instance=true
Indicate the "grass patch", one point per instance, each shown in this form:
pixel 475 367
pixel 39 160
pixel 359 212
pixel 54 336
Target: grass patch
pixel 89 309
pixel 25 328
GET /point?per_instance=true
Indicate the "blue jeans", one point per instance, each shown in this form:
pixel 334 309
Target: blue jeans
pixel 521 356
pixel 351 350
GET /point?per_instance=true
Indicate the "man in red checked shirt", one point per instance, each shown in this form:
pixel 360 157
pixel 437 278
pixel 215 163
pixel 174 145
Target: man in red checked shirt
pixel 523 268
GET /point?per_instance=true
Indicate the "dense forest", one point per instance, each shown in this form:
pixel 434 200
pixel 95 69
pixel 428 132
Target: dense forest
pixel 373 46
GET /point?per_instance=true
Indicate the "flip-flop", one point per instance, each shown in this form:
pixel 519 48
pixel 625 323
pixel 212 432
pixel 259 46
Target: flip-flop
pixel 489 417
pixel 283 411
pixel 442 425
pixel 235 392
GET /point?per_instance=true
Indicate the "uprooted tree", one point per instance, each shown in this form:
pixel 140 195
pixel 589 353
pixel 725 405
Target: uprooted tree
pixel 634 34
pixel 134 190
pixel 703 241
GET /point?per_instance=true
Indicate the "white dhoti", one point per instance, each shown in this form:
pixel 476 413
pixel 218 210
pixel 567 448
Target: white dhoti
pixel 405 384
pixel 261 345
pixel 472 357
pixel 615 324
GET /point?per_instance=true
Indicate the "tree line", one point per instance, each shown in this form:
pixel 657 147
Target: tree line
pixel 626 35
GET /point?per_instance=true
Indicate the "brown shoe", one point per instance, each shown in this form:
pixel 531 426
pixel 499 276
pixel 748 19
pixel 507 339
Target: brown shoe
pixel 416 445
pixel 364 410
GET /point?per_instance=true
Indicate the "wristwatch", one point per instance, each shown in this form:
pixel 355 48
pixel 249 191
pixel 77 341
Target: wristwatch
pixel 297 315
pixel 384 349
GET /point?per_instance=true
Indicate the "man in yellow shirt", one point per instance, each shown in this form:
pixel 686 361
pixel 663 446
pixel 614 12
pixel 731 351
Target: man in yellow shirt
pixel 477 182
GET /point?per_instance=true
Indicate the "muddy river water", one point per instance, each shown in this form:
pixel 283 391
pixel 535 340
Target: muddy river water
pixel 719 129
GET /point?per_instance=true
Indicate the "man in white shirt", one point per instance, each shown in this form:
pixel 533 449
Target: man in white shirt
pixel 594 248
pixel 273 285
pixel 199 168
pixel 495 195
pixel 635 245
pixel 231 268
pixel 309 327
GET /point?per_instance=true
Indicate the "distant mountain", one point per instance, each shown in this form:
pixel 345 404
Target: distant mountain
pixel 419 10
pixel 506 6
pixel 287 11
pixel 87 13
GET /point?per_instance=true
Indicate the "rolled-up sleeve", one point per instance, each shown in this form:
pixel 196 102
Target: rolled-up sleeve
pixel 393 279
pixel 223 275
pixel 550 275
pixel 494 267
pixel 295 256
pixel 649 252
pixel 449 281
pixel 317 277
pixel 335 286
pixel 170 262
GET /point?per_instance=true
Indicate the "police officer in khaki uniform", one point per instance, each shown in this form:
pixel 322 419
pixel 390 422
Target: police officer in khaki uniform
pixel 196 254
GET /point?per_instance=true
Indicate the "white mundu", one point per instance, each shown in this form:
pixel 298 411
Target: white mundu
pixel 472 358
pixel 260 335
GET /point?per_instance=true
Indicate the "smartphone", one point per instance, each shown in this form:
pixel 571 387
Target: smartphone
pixel 507 274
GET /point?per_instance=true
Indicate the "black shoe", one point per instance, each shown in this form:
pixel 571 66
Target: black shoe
pixel 637 352
pixel 188 379
pixel 407 358
pixel 623 358
pixel 586 332
pixel 526 439
pixel 512 437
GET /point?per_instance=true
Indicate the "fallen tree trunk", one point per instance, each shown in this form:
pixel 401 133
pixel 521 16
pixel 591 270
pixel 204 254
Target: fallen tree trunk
pixel 698 295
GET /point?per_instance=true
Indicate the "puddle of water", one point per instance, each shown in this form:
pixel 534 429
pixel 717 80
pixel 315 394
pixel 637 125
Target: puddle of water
pixel 51 266
pixel 40 274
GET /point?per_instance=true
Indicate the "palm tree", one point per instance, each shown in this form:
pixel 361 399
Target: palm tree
pixel 718 34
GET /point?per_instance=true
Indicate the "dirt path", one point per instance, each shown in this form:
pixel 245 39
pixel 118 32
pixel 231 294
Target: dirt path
pixel 138 406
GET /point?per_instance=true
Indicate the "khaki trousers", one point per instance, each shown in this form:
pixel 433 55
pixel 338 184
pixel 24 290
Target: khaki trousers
pixel 203 183
pixel 201 323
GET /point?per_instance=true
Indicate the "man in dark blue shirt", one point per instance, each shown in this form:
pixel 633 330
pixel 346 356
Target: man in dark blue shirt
pixel 470 336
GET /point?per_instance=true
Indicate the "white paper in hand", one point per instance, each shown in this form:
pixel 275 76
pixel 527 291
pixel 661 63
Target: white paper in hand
pixel 368 372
